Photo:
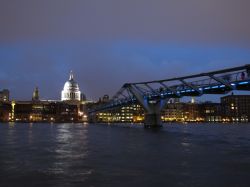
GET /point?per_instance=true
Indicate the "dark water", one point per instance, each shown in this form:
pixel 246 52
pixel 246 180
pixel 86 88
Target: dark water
pixel 101 155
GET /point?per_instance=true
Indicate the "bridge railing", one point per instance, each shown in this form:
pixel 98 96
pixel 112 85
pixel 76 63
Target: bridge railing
pixel 227 78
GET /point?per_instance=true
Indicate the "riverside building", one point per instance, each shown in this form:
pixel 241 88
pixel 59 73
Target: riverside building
pixel 71 107
pixel 38 110
pixel 236 108
pixel 177 111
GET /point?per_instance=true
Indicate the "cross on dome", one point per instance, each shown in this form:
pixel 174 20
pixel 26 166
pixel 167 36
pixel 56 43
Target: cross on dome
pixel 71 75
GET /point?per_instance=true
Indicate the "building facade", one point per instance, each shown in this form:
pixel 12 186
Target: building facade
pixel 236 108
pixel 211 112
pixel 43 111
pixel 127 114
pixel 5 111
pixel 173 112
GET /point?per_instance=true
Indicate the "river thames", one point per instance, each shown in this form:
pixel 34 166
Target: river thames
pixel 62 155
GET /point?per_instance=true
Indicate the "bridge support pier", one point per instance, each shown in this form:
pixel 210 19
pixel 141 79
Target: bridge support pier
pixel 152 120
pixel 152 108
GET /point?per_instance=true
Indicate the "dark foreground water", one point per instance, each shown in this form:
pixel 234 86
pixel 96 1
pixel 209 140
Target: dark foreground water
pixel 100 155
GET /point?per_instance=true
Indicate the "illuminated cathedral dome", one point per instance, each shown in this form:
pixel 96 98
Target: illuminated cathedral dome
pixel 71 91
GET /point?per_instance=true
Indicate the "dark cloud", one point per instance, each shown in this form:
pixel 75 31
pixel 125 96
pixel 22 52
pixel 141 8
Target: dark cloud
pixel 161 20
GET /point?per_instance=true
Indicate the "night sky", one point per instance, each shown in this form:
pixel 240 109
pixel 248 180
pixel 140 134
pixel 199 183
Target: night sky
pixel 109 42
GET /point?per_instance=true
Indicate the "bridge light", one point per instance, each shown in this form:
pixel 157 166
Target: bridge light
pixel 241 83
pixel 215 87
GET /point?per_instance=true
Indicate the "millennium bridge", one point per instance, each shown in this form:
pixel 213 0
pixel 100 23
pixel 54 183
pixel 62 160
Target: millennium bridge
pixel 153 96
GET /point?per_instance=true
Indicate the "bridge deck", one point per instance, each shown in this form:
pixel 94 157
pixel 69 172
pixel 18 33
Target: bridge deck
pixel 217 82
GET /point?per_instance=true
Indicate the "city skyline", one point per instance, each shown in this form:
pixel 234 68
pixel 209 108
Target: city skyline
pixel 200 99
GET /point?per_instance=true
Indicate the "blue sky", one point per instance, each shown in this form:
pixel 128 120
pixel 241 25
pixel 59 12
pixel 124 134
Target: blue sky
pixel 103 67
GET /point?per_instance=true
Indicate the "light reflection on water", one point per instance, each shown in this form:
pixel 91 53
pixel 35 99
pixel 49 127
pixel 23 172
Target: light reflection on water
pixel 124 155
pixel 70 151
